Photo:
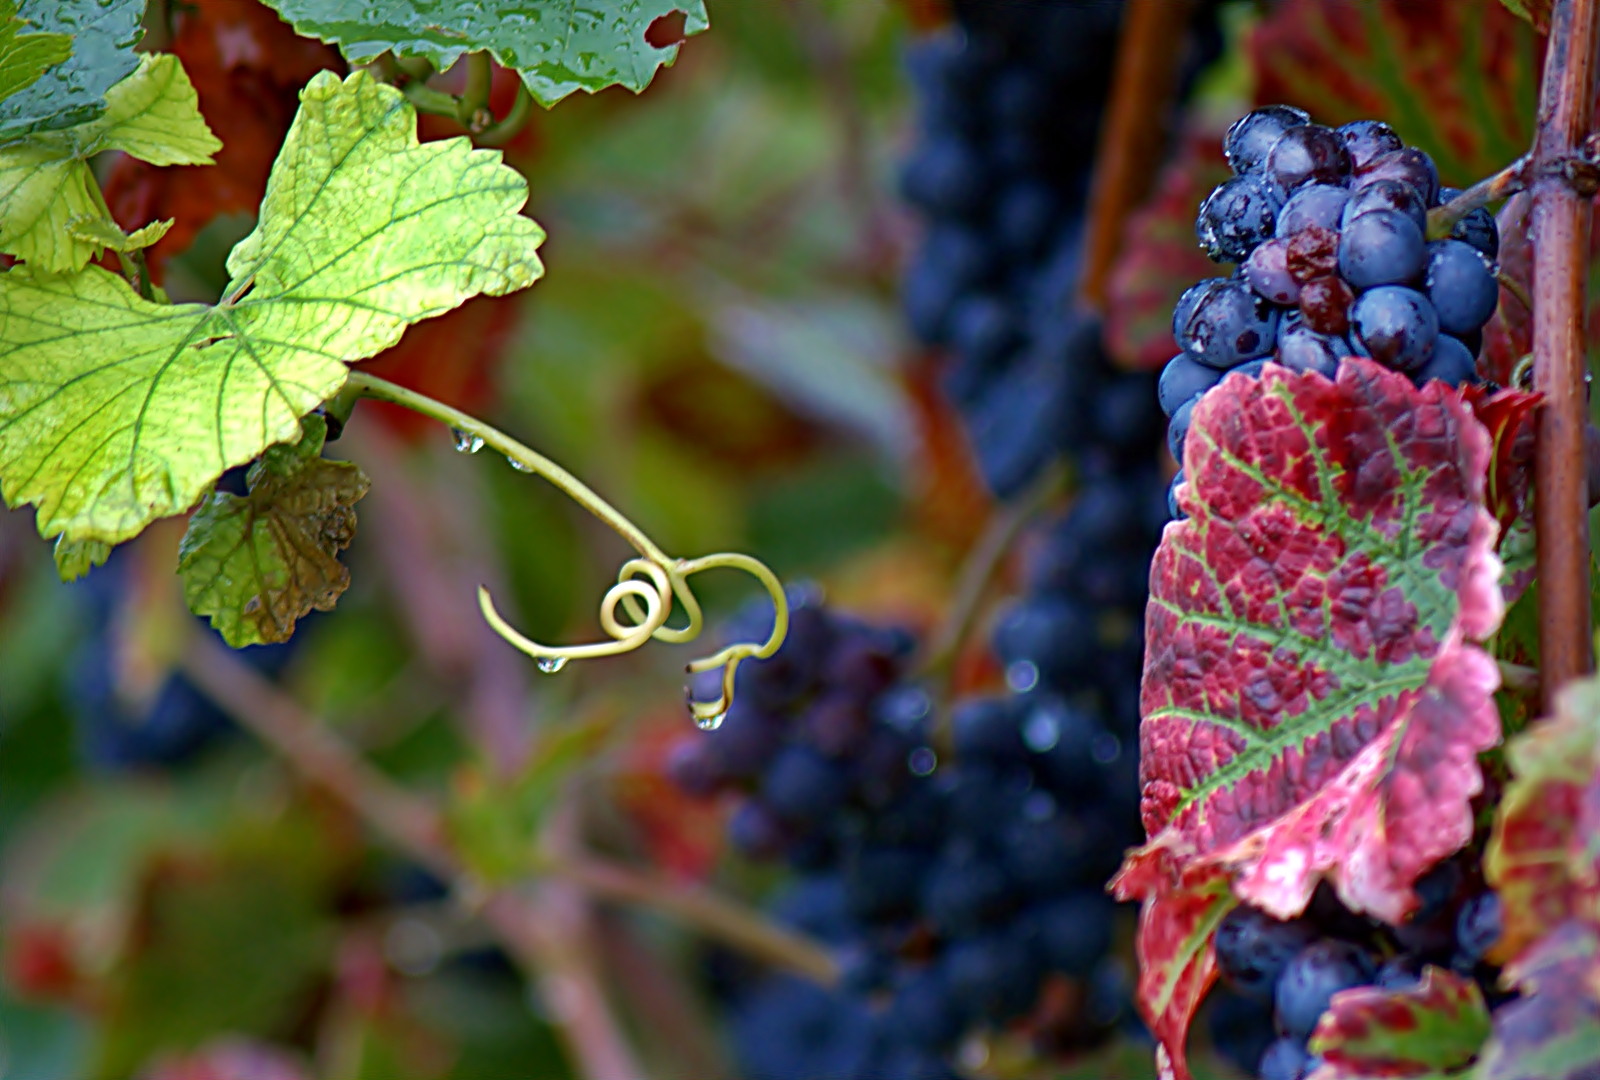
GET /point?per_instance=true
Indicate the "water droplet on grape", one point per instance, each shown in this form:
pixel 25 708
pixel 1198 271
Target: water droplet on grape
pixel 517 465
pixel 552 664
pixel 922 761
pixel 467 443
pixel 710 723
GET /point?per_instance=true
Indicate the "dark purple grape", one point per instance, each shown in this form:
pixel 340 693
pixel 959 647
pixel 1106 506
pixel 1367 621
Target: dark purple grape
pixel 1301 348
pixel 1315 204
pixel 1184 378
pixel 1408 165
pixel 790 1029
pixel 988 728
pixel 691 769
pixel 945 176
pixel 997 974
pixel 1478 230
pixel 951 261
pixel 755 831
pixel 1267 271
pixel 1285 1059
pixel 1402 972
pixel 1225 324
pixel 1312 977
pixel 803 786
pixel 1462 286
pixel 1253 949
pixel 1367 139
pixel 1325 305
pixel 1174 510
pixel 1178 427
pixel 1452 364
pixel 884 881
pixel 1309 153
pixel 1074 931
pixel 1395 326
pixel 1055 634
pixel 924 1011
pixel 1478 926
pixel 1237 216
pixel 1253 369
pixel 984 329
pixel 1387 195
pixel 1025 217
pixel 1240 1029
pixel 1381 247
pixel 1253 134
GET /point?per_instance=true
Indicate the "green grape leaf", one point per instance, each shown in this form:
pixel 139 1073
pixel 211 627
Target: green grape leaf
pixel 75 558
pixel 255 564
pixel 557 46
pixel 103 34
pixel 106 234
pixel 47 195
pixel 1432 1028
pixel 1536 12
pixel 25 57
pixel 115 411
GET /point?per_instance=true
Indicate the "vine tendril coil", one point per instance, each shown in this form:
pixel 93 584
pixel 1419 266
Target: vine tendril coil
pixel 652 578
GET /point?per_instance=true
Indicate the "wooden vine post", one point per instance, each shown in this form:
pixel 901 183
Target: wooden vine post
pixel 1560 238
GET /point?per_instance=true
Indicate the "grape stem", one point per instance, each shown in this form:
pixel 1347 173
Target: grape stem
pixel 1560 242
pixel 1502 185
pixel 654 579
pixel 472 107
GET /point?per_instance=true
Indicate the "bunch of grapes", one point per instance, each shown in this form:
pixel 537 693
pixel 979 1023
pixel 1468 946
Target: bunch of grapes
pixel 1279 976
pixel 956 890
pixel 1328 227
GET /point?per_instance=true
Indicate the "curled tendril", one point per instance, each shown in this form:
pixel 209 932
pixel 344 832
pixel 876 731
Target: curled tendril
pixel 652 579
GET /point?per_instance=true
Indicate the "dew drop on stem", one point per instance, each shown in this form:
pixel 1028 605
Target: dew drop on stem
pixel 552 664
pixel 517 465
pixel 712 722
pixel 466 442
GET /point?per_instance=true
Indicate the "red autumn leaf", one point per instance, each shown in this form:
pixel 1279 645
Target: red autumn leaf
pixel 1175 945
pixel 1536 12
pixel 1457 80
pixel 1160 257
pixel 247 67
pixel 1508 416
pixel 1541 857
pixel 1436 1026
pixel 1553 1030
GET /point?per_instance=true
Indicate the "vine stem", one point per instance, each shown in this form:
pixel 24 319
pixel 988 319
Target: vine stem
pixel 1560 241
pixel 654 579
pixel 1502 185
pixel 414 824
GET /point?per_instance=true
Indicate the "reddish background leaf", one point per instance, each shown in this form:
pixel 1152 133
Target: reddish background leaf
pixel 1508 337
pixel 1458 80
pixel 1554 1030
pixel 1160 256
pixel 1436 1026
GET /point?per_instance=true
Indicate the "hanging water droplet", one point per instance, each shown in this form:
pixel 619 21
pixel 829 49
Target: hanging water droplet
pixel 552 664
pixel 466 442
pixel 517 465
pixel 710 723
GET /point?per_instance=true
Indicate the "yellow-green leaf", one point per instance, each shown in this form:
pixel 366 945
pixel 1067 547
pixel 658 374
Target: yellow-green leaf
pixel 108 235
pixel 115 411
pixel 258 563
pixel 45 185
pixel 75 558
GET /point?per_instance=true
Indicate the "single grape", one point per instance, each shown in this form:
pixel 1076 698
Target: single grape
pixel 1253 949
pixel 1325 305
pixel 1401 972
pixel 1312 977
pixel 1285 1059
pixel 1240 1029
pixel 1452 363
pixel 1366 139
pixel 1237 216
pixel 1301 348
pixel 1253 369
pixel 1381 247
pixel 1315 204
pixel 1183 378
pixel 884 881
pixel 1055 634
pixel 790 1029
pixel 1479 230
pixel 1226 323
pixel 1267 271
pixel 1178 427
pixel 1478 926
pixel 1253 134
pixel 945 176
pixel 1308 153
pixel 1395 326
pixel 987 728
pixel 1313 253
pixel 1393 195
pixel 1462 286
pixel 997 974
pixel 924 1011
pixel 1074 931
pixel 1025 217
pixel 1174 510
pixel 803 786
pixel 984 329
pixel 1408 165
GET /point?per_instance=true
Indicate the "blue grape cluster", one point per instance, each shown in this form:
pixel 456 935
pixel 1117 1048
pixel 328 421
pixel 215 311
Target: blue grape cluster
pixel 1279 976
pixel 953 889
pixel 1009 106
pixel 1328 227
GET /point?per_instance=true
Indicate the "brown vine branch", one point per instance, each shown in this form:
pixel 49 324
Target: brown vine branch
pixel 1560 241
pixel 1134 134
pixel 1502 185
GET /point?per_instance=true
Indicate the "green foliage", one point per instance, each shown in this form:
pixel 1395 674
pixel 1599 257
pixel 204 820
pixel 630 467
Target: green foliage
pixel 118 411
pixel 258 563
pixel 103 33
pixel 50 211
pixel 557 46
pixel 26 56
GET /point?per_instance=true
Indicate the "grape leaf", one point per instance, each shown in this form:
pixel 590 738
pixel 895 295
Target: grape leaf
pixel 23 56
pixel 255 564
pixel 1175 945
pixel 558 46
pixel 1457 80
pixel 1434 1027
pixel 1508 417
pixel 103 34
pixel 75 558
pixel 1553 1031
pixel 47 204
pixel 1536 12
pixel 1160 257
pixel 115 411
pixel 1541 857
